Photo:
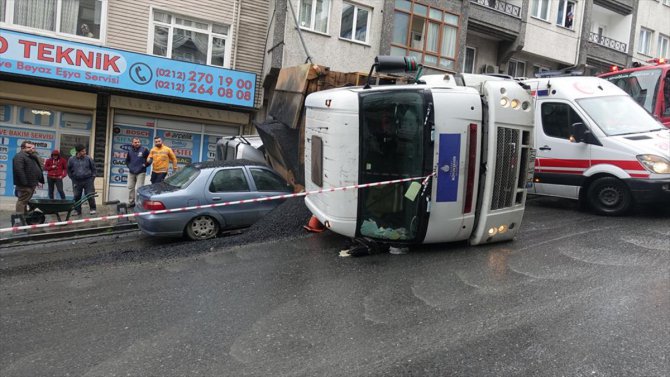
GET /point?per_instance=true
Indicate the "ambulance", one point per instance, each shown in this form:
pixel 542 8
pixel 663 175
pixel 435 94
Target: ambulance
pixel 596 144
pixel 468 148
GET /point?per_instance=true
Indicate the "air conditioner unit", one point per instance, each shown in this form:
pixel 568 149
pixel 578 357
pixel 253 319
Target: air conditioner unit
pixel 489 68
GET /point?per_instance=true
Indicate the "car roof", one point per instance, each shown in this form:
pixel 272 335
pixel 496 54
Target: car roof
pixel 229 163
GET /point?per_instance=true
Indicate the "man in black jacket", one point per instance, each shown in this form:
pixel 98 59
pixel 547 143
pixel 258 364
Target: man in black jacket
pixel 81 170
pixel 27 173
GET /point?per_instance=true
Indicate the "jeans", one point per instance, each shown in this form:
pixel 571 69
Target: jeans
pixel 135 181
pixel 157 177
pixel 85 185
pixel 24 193
pixel 58 183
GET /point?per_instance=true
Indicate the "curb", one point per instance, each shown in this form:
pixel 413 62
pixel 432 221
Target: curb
pixel 20 240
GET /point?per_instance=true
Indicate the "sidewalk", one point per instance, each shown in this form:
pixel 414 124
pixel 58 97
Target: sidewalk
pixel 61 231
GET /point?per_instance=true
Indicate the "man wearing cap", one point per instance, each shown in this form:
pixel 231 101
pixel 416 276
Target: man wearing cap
pixel 81 170
pixel 27 174
pixel 56 169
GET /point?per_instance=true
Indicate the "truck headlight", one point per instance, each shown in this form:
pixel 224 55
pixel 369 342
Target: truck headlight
pixel 655 164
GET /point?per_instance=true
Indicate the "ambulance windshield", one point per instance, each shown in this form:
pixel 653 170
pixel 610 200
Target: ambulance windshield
pixel 619 115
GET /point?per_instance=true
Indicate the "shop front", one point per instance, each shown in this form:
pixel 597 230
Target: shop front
pixel 111 96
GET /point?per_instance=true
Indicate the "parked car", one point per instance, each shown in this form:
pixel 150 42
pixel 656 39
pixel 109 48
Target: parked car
pixel 205 183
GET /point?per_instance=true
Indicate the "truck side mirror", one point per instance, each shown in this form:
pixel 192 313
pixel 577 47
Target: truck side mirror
pixel 578 133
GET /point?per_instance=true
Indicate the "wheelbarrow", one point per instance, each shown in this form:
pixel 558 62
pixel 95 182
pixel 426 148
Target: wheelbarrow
pixel 38 208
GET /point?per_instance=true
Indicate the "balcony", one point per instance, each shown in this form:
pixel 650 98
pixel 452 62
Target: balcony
pixel 622 7
pixel 607 42
pixel 500 20
pixel 500 6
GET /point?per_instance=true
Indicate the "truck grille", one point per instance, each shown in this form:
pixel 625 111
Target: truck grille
pixel 507 162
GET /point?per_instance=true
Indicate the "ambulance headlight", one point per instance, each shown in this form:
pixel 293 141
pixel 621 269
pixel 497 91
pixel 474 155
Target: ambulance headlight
pixel 493 231
pixel 504 102
pixel 502 229
pixel 515 103
pixel 655 164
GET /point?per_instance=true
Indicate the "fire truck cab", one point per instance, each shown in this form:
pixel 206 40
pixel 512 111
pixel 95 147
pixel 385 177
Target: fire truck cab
pixel 595 143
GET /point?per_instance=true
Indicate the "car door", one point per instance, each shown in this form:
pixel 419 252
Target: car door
pixel 560 163
pixel 267 183
pixel 231 184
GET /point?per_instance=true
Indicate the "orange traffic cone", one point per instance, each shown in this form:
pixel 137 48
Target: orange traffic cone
pixel 314 225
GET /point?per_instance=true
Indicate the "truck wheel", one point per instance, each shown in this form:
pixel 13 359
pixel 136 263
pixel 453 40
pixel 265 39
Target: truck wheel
pixel 609 196
pixel 202 228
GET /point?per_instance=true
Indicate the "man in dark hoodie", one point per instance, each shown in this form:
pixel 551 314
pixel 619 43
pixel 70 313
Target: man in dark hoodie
pixel 27 173
pixel 81 170
pixel 136 161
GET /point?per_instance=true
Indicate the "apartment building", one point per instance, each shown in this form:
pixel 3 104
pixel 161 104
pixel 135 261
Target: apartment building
pixel 100 72
pixel 652 31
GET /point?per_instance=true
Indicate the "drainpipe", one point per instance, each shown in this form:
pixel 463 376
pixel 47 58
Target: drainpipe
pixel 302 40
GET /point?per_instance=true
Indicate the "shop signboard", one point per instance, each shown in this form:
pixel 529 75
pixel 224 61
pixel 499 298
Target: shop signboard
pixel 10 142
pixel 122 138
pixel 57 59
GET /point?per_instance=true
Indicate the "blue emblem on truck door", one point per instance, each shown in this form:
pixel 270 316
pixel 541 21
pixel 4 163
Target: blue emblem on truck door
pixel 448 167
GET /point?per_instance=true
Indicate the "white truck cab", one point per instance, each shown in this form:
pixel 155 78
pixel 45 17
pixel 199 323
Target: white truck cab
pixel 596 144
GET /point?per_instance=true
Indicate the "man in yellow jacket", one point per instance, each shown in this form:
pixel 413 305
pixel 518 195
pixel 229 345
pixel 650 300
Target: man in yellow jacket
pixel 160 157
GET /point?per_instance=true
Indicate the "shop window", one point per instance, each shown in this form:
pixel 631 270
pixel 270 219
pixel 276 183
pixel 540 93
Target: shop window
pixel 179 38
pixel 540 9
pixel 267 181
pixel 429 34
pixel 76 121
pixel 229 180
pixel 566 13
pixel 36 117
pixel 6 113
pixel 355 23
pixel 68 142
pixel 83 18
pixel 314 15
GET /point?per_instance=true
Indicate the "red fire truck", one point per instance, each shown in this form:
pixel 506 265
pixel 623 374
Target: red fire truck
pixel 648 84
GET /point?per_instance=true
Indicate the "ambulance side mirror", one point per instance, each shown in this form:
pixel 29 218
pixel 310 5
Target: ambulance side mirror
pixel 579 133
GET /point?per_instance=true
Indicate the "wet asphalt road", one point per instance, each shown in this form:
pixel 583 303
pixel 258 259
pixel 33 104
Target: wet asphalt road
pixel 574 295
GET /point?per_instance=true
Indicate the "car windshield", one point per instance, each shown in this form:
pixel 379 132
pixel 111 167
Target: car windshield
pixel 619 115
pixel 183 177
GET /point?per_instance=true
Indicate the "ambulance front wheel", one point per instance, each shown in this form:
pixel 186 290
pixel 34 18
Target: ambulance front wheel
pixel 609 196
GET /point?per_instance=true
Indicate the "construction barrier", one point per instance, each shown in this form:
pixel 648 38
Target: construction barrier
pixel 182 209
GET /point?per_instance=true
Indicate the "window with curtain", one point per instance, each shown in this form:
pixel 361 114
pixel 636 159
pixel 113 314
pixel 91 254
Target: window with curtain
pixel 427 33
pixel 540 9
pixel 566 13
pixel 644 42
pixel 199 42
pixel 76 17
pixel 663 46
pixel 314 15
pixel 355 23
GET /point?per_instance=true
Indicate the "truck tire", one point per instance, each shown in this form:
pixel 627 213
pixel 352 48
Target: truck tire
pixel 609 196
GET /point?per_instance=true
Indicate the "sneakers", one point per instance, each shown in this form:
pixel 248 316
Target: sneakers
pixel 93 212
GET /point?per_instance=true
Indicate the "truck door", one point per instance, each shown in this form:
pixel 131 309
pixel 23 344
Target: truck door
pixel 394 145
pixel 560 163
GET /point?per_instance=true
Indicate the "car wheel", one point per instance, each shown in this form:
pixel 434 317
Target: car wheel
pixel 609 196
pixel 202 228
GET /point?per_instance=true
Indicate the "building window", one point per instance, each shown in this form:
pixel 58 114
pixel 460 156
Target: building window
pixel 314 15
pixel 83 18
pixel 663 46
pixel 178 38
pixel 566 13
pixel 645 41
pixel 426 33
pixel 470 55
pixel 540 9
pixel 355 23
pixel 516 68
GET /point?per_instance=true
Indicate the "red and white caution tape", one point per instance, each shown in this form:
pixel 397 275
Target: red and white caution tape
pixel 183 209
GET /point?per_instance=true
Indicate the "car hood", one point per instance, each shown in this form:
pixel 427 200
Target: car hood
pixel 657 142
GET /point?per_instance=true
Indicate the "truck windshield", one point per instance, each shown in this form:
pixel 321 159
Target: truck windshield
pixel 619 115
pixel 641 85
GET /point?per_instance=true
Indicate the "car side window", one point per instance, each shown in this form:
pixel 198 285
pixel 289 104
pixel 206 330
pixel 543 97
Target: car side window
pixel 557 119
pixel 229 180
pixel 267 181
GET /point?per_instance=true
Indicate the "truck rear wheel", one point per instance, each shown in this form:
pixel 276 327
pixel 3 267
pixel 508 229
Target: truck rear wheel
pixel 609 196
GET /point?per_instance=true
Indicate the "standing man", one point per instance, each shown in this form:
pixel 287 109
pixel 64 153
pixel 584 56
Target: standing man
pixel 27 174
pixel 81 170
pixel 161 156
pixel 136 161
pixel 56 169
